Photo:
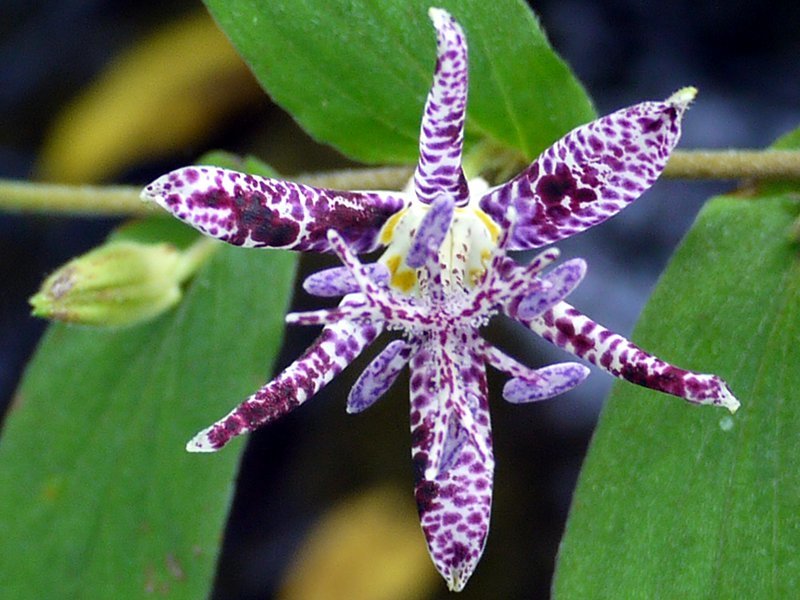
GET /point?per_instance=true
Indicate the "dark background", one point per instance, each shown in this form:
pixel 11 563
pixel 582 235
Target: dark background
pixel 742 55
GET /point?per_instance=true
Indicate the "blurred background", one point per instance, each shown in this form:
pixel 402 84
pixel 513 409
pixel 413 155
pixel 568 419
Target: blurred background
pixel 742 56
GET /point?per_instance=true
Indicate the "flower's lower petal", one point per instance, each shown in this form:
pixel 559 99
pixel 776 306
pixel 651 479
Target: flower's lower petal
pixel 379 376
pixel 332 351
pixel 591 173
pixel 454 500
pixel 253 211
pixel 560 282
pixel 339 281
pixel 567 328
pixel 442 131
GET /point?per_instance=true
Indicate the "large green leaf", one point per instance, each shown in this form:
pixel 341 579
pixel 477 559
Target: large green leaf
pixel 676 501
pixel 98 496
pixel 355 73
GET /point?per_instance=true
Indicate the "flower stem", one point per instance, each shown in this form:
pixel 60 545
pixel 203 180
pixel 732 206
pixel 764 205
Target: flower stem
pixel 123 201
pixel 734 164
pixel 371 178
pixel 76 200
pixel 195 256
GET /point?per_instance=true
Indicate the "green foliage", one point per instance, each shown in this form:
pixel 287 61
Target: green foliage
pixel 682 502
pixel 355 73
pixel 99 497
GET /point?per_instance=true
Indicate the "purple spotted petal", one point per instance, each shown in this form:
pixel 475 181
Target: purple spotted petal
pixel 431 233
pixel 442 132
pixel 567 328
pixel 562 281
pixel 550 381
pixel 591 173
pixel 379 376
pixel 453 484
pixel 332 351
pixel 252 211
pixel 339 281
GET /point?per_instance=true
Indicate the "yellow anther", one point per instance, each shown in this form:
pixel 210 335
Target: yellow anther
pixel 387 233
pixel 491 226
pixel 404 280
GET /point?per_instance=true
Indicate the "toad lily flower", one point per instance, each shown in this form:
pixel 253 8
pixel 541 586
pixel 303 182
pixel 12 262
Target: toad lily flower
pixel 443 275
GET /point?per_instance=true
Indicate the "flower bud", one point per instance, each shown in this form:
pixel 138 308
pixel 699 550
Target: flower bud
pixel 120 283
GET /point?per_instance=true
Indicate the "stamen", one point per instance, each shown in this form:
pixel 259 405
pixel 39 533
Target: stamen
pixel 549 381
pixel 563 280
pixel 379 376
pixel 431 233
pixel 339 281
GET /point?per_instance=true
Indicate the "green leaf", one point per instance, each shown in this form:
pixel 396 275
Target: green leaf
pixel 355 73
pixel 788 141
pixel 676 501
pixel 99 497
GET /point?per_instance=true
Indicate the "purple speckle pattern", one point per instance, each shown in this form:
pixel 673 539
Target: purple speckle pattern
pixel 591 173
pixel 257 212
pixel 442 130
pixel 459 277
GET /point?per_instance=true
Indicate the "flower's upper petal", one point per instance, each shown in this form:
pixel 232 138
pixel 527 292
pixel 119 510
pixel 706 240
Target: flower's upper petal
pixel 442 131
pixel 591 173
pixel 454 496
pixel 567 328
pixel 331 352
pixel 379 376
pixel 253 211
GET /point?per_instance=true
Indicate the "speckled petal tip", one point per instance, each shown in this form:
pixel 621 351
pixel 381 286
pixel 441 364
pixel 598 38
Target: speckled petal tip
pixel 255 212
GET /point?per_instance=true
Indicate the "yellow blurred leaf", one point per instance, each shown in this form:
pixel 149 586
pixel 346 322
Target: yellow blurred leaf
pixel 369 547
pixel 165 93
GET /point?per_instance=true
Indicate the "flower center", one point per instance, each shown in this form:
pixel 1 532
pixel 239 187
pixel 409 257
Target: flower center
pixel 464 255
